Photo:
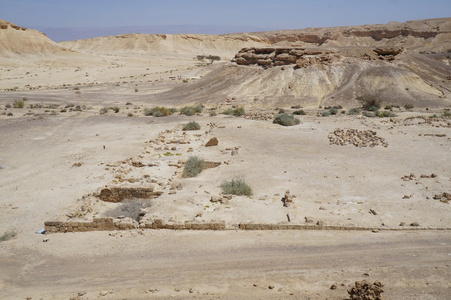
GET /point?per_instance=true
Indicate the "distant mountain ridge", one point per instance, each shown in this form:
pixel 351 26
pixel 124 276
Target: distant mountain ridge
pixel 78 33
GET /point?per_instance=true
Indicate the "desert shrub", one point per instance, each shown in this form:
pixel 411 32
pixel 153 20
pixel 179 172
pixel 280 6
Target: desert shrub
pixel 236 186
pixel 128 103
pixel 237 112
pixel 388 107
pixel 325 114
pixel 446 113
pixel 10 114
pixel 333 111
pixel 299 112
pixel 408 106
pixel 193 166
pixel 281 110
pixel 385 114
pixel 103 110
pixel 369 103
pixel 296 107
pixel 188 111
pixel 159 111
pixel 286 120
pixel 18 103
pixel 191 126
pixel 115 109
pixel 212 114
pixel 129 115
pixel 369 114
pixel 128 209
pixel 8 106
pixel 8 236
pixel 354 111
pixel 136 90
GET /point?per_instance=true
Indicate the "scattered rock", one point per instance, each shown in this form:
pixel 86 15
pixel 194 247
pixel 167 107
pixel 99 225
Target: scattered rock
pixel 271 287
pixel 103 293
pixel 309 220
pixel 402 224
pixel 212 142
pixel 358 138
pixel 415 224
pixel 372 211
pixel 333 286
pixel 366 291
pixel 287 198
pixel 79 164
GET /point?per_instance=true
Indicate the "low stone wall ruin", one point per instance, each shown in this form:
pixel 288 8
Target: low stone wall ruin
pixel 110 224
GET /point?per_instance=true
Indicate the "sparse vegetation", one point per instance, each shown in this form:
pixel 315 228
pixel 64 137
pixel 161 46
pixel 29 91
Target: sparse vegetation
pixel 191 110
pixel 210 58
pixel 103 110
pixel 286 120
pixel 8 236
pixel 193 166
pixel 385 114
pixel 159 111
pixel 237 112
pixel 299 112
pixel 191 126
pixel 369 103
pixel 408 106
pixel 236 186
pixel 18 103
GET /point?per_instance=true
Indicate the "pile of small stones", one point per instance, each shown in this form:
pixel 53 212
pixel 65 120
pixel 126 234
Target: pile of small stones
pixel 358 138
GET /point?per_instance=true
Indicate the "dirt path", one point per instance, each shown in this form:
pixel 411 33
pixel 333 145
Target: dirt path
pixel 227 265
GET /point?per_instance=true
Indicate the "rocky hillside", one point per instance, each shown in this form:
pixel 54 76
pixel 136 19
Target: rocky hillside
pixel 16 40
pixel 191 44
pixel 312 77
pixel 420 35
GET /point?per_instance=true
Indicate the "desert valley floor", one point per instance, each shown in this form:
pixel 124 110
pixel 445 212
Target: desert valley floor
pixel 369 197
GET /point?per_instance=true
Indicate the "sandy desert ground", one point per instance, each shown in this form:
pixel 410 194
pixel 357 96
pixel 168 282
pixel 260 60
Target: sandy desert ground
pixel 83 128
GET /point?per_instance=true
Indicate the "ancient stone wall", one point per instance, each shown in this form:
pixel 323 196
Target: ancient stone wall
pixel 103 224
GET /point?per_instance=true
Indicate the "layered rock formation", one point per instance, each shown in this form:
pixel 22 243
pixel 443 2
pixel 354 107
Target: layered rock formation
pixel 303 57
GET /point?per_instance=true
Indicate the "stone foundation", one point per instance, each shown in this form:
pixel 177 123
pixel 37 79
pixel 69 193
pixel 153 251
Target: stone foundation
pixel 103 224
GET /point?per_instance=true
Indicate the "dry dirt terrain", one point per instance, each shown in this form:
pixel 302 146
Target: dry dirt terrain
pixel 369 196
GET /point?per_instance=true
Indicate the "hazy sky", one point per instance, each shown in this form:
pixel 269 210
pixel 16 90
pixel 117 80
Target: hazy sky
pixel 274 14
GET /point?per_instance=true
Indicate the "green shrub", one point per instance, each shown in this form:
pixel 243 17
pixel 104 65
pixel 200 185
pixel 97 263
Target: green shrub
pixel 408 106
pixel 446 113
pixel 237 112
pixel 299 112
pixel 385 114
pixel 354 111
pixel 193 166
pixel 191 126
pixel 236 186
pixel 325 114
pixel 333 111
pixel 18 103
pixel 115 109
pixel 388 107
pixel 286 120
pixel 188 111
pixel 159 111
pixel 281 110
pixel 369 114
